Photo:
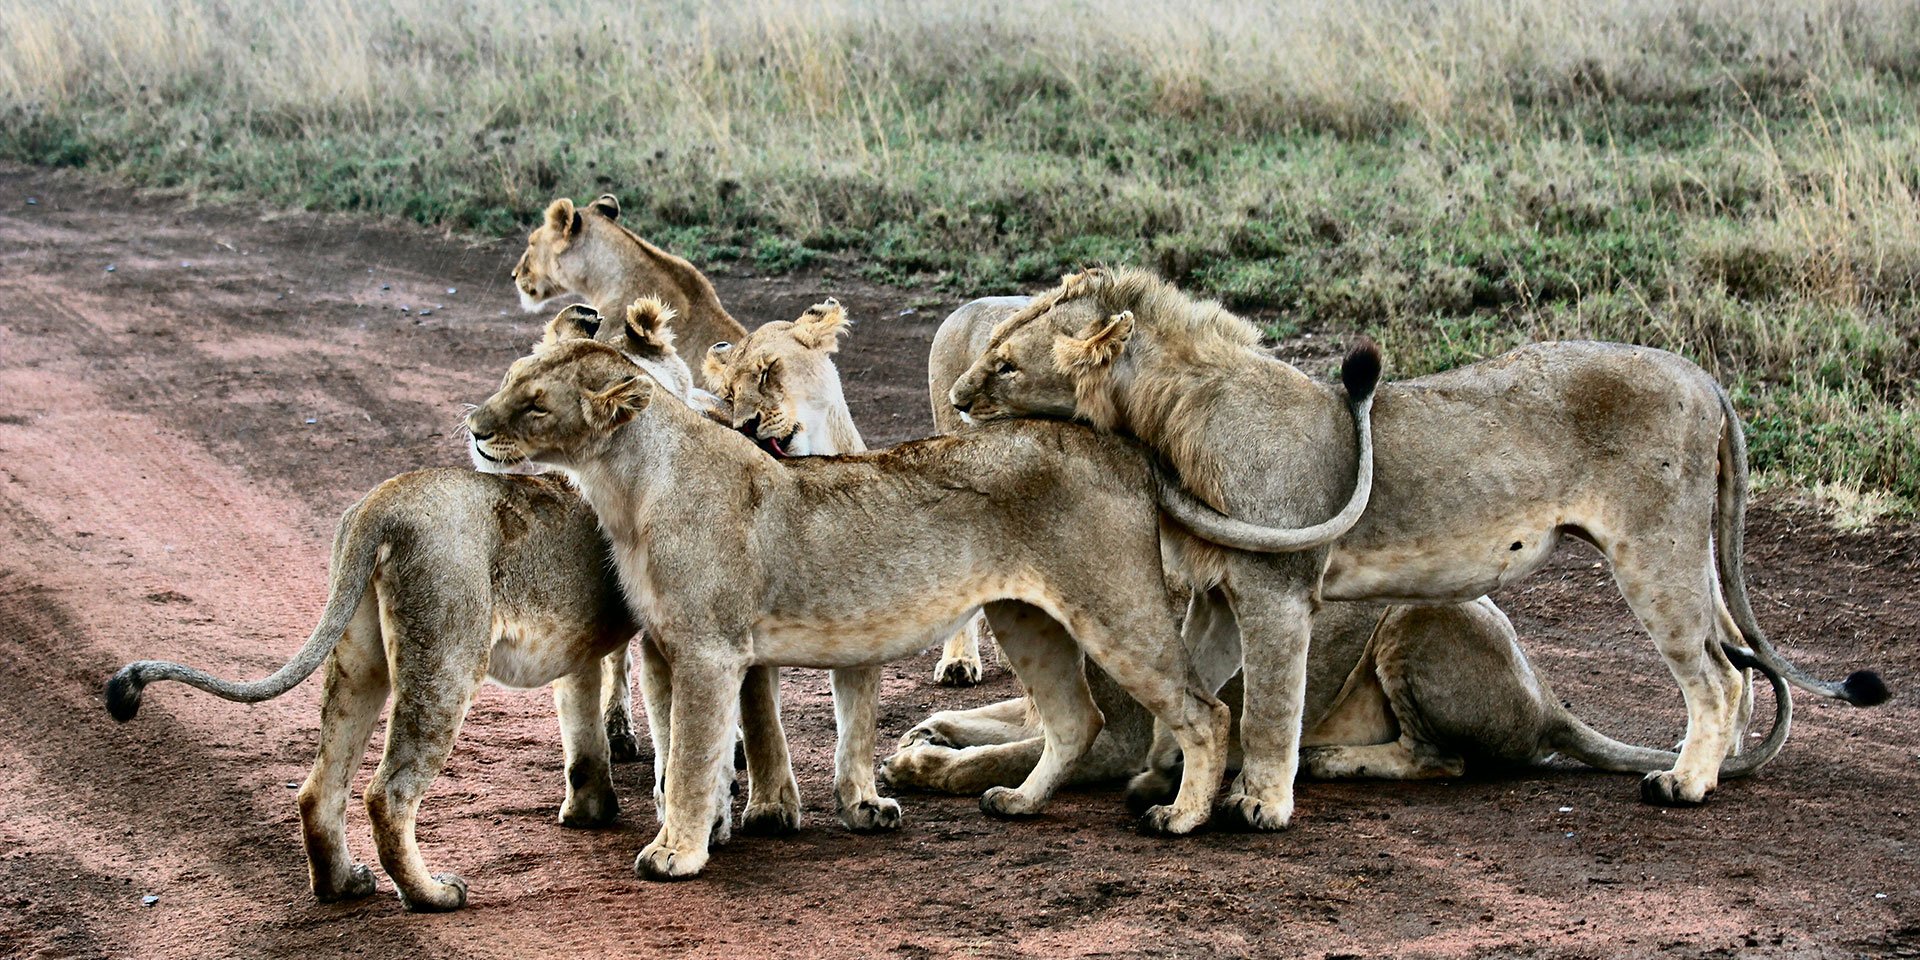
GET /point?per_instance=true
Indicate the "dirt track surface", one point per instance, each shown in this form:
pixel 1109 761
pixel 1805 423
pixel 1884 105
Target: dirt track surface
pixel 189 398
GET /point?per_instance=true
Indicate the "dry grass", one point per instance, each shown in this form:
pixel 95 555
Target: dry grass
pixel 1729 179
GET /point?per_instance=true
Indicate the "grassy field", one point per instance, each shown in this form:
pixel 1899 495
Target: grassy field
pixel 1732 180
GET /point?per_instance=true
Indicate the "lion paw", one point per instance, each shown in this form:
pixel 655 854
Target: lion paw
pixel 957 672
pixel 915 766
pixel 587 810
pixel 1243 812
pixel 770 819
pixel 359 884
pixel 1665 789
pixel 448 892
pixel 623 747
pixel 658 862
pixel 872 816
pixel 1169 821
pixel 1151 788
pixel 927 733
pixel 1008 802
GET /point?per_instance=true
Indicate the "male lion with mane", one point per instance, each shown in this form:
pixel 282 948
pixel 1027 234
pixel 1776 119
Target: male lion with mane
pixel 856 560
pixel 1480 472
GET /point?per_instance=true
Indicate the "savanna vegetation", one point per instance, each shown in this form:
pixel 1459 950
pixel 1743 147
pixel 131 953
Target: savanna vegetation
pixel 1736 181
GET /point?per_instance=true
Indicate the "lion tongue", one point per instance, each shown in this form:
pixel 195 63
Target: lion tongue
pixel 774 447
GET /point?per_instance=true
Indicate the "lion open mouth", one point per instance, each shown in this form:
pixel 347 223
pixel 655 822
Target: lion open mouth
pixel 774 446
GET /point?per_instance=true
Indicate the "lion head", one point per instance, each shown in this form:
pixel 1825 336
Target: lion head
pixel 560 251
pixel 569 391
pixel 779 385
pixel 1068 352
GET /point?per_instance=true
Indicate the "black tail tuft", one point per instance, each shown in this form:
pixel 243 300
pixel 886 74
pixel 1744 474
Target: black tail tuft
pixel 1864 688
pixel 1361 370
pixel 1743 659
pixel 123 694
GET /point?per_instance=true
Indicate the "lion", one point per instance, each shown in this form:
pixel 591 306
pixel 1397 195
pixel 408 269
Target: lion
pixel 1481 471
pixel 853 561
pixel 473 576
pixel 779 386
pixel 1393 693
pixel 960 664
pixel 587 252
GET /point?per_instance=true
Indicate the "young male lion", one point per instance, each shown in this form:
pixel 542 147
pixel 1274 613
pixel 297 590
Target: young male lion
pixel 442 578
pixel 1481 471
pixel 852 561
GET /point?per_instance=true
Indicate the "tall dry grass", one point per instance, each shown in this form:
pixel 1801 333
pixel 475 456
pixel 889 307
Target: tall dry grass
pixel 1731 179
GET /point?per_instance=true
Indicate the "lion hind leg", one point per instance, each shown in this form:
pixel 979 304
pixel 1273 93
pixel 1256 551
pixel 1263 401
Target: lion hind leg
pixel 995 723
pixel 354 690
pixel 1276 624
pixel 577 697
pixel 1677 607
pixel 617 704
pixel 436 669
pixel 1361 715
pixel 1402 759
pixel 962 770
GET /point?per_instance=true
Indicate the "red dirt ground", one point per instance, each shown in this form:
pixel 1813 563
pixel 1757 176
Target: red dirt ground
pixel 189 397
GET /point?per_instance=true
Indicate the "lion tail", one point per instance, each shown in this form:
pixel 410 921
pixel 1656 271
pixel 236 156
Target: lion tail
pixel 356 545
pixel 1595 749
pixel 1862 688
pixel 1360 374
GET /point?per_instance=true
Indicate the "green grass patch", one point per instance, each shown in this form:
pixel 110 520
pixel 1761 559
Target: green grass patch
pixel 1733 183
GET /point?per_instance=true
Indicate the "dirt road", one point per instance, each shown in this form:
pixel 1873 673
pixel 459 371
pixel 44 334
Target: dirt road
pixel 189 398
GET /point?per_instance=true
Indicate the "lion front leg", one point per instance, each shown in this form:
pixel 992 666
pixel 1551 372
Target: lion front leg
pixel 773 796
pixel 1276 624
pixel 705 702
pixel 1049 665
pixel 960 664
pixel 856 693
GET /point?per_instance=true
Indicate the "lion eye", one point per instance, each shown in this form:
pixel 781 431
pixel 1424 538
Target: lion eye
pixel 1005 367
pixel 535 410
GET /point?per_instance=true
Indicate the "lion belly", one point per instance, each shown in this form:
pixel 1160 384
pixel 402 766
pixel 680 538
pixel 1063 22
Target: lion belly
pixel 531 652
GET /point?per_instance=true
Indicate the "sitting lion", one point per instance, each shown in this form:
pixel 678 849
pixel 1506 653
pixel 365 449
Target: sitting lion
pixel 1481 471
pixel 1392 693
pixel 440 578
pixel 856 560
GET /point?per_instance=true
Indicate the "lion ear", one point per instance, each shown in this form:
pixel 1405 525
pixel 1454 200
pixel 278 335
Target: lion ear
pixel 562 218
pixel 1097 346
pixel 820 327
pixel 647 331
pixel 1086 282
pixel 606 205
pixel 577 322
pixel 619 403
pixel 713 366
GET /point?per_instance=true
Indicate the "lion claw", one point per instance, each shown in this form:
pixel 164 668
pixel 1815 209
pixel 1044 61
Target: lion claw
pixel 1663 789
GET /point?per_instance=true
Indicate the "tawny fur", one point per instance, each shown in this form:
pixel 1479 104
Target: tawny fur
pixel 586 251
pixel 1481 471
pixel 852 561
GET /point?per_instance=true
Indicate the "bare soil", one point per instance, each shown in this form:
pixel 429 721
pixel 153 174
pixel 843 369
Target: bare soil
pixel 189 397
